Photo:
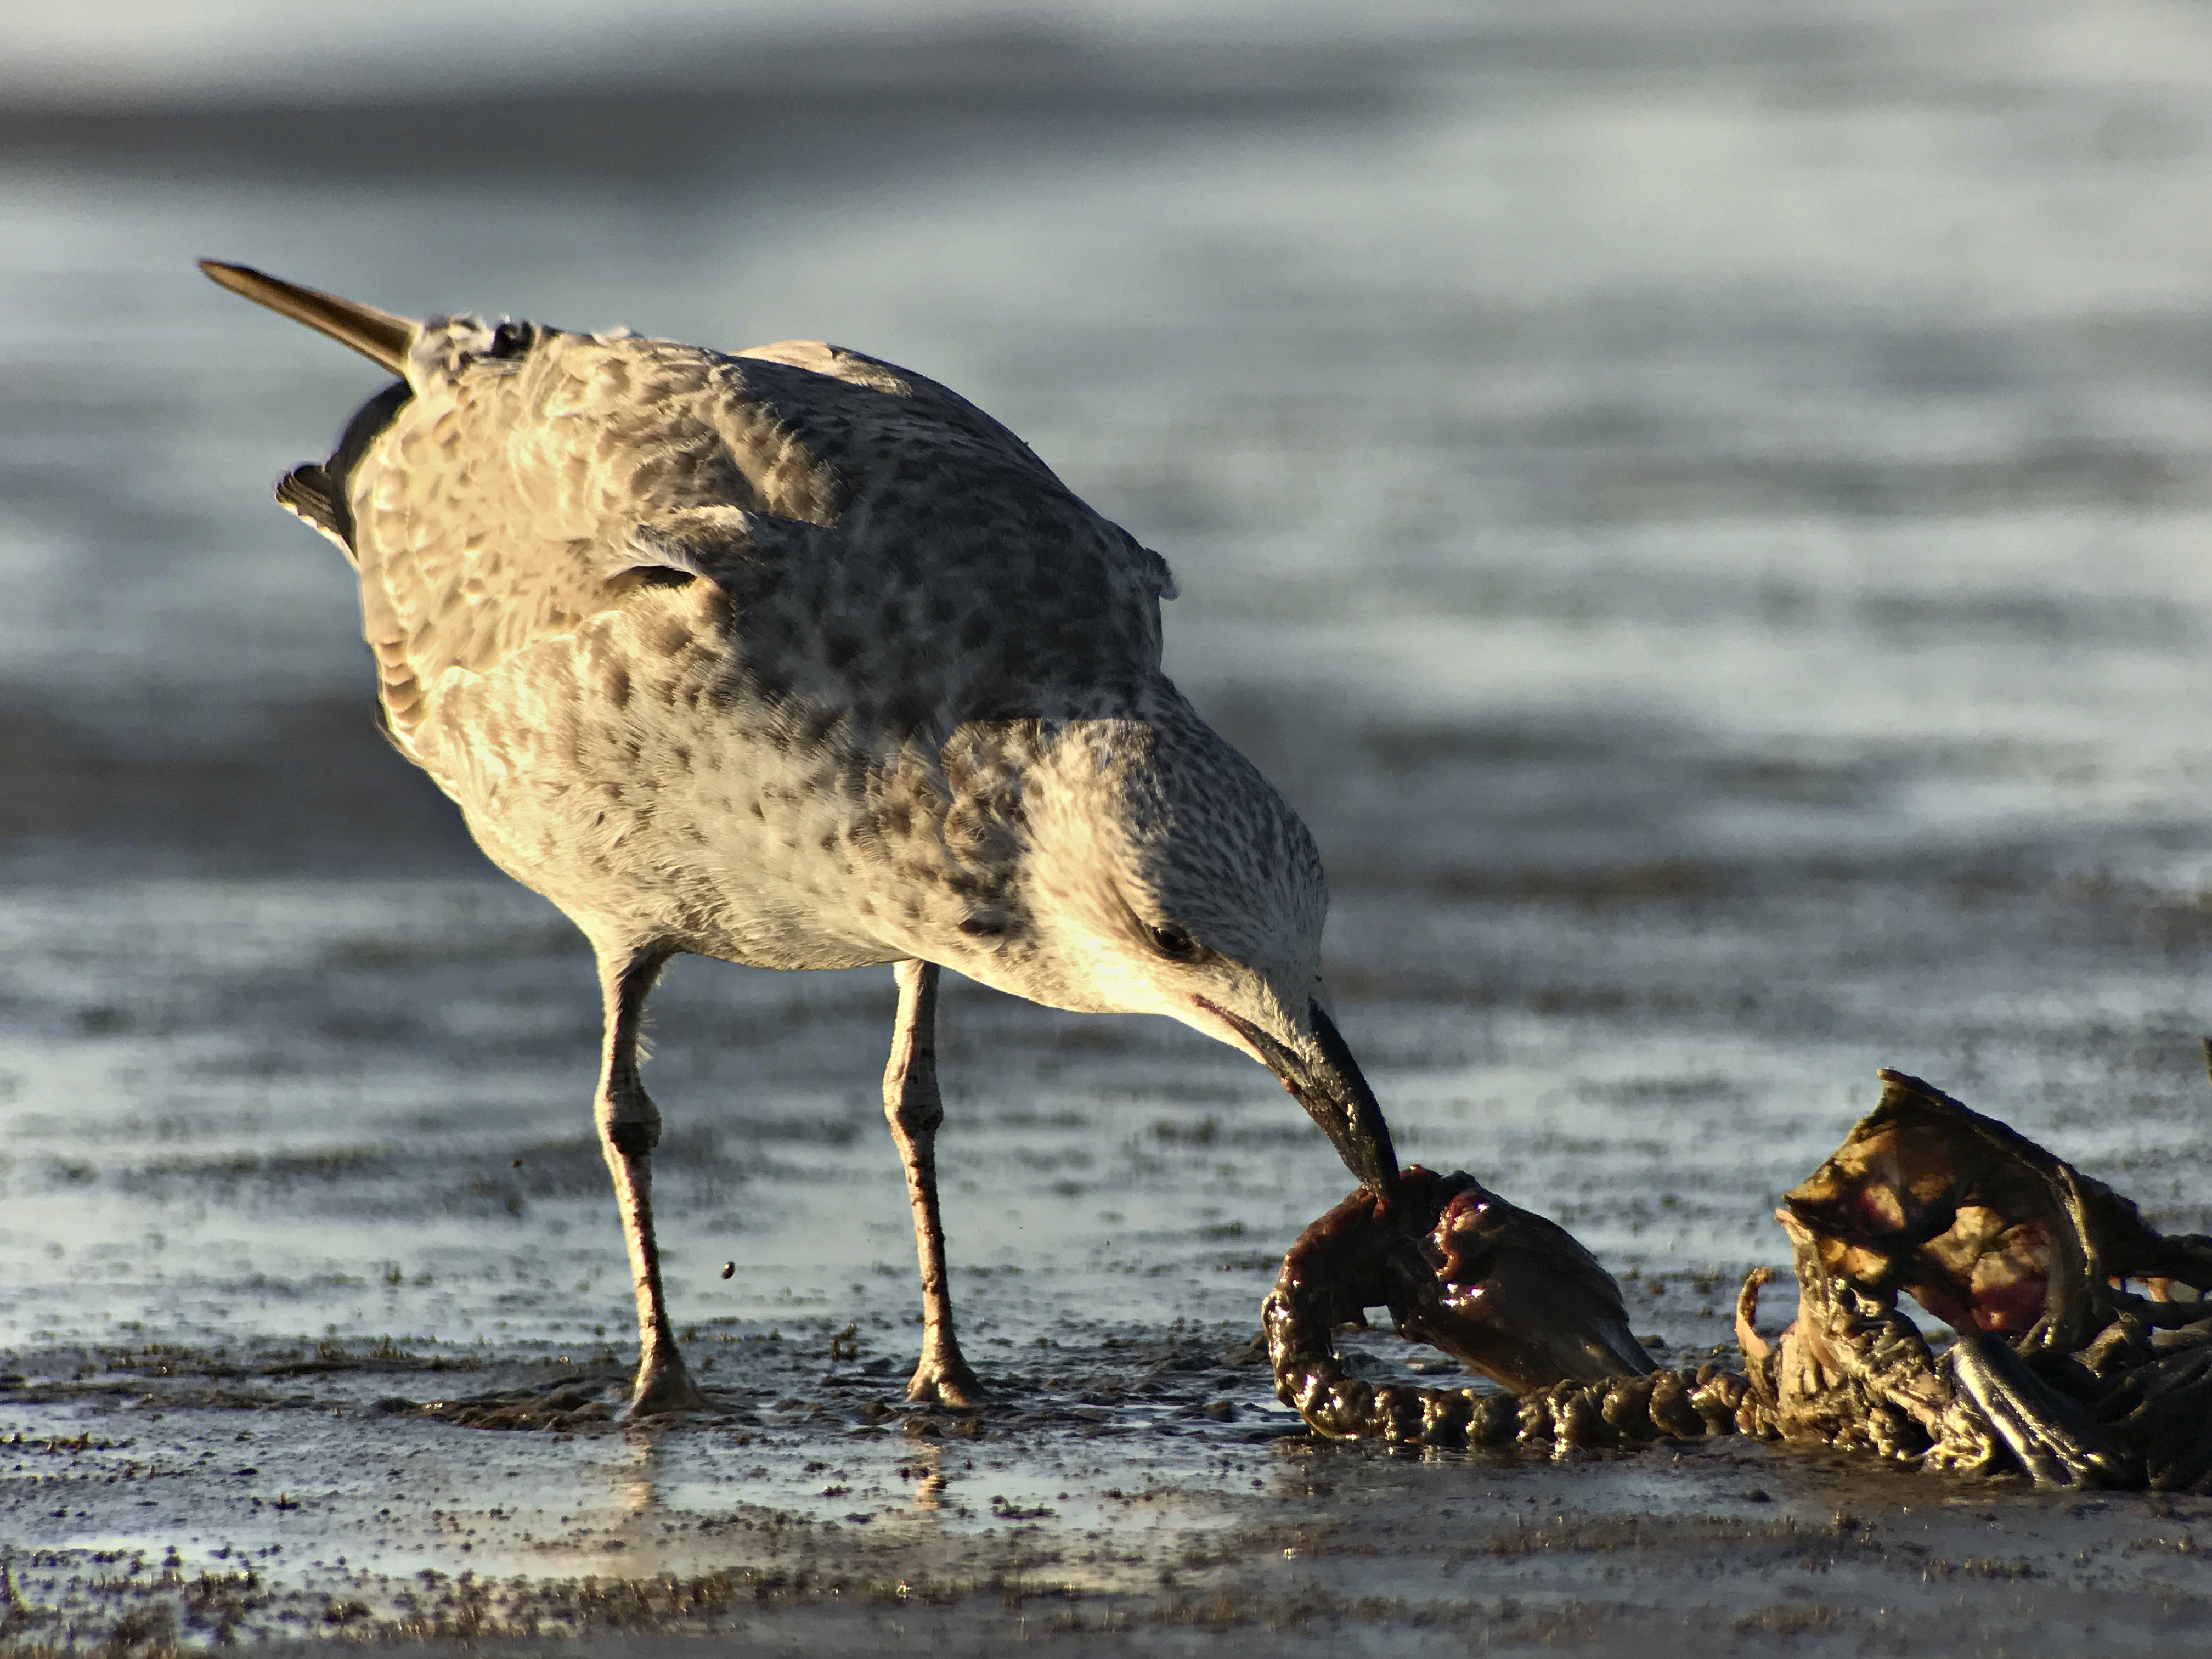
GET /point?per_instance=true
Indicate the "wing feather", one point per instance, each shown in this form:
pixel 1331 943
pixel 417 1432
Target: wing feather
pixel 888 552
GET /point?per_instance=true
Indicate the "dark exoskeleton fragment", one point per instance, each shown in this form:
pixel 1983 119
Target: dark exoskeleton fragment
pixel 2058 1369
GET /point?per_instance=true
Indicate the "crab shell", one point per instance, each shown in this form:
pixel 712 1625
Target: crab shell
pixel 1500 1289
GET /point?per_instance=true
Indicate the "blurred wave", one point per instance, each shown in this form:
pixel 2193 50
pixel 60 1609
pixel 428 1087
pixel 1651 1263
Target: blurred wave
pixel 214 53
pixel 1795 383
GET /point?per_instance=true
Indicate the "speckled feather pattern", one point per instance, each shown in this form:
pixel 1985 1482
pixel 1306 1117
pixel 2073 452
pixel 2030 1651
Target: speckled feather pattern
pixel 792 658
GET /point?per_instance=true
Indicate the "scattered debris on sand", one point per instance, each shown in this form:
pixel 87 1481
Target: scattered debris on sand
pixel 2056 1368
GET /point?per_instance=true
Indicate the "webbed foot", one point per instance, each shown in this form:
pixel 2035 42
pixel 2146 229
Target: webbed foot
pixel 945 1379
pixel 663 1387
pixel 573 1403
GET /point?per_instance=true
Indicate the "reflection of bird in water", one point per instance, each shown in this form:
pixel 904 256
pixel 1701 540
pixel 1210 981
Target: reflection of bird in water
pixel 796 659
pixel 925 1467
pixel 636 1481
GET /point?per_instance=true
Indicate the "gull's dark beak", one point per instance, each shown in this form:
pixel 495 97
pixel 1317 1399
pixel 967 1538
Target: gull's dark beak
pixel 1326 1081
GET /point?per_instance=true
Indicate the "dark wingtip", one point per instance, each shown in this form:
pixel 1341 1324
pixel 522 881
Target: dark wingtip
pixel 307 493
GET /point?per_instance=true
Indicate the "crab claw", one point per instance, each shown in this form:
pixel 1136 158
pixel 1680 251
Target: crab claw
pixel 1512 1295
pixel 1757 1350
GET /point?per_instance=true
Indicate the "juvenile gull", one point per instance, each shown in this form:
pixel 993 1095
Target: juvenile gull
pixel 794 658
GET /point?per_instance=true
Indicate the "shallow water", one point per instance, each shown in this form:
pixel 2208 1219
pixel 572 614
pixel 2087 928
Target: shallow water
pixel 1706 518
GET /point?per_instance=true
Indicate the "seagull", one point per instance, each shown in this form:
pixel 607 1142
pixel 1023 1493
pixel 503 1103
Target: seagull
pixel 794 658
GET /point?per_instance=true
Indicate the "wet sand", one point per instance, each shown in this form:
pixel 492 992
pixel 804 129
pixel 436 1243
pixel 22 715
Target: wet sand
pixel 290 1160
pixel 1707 523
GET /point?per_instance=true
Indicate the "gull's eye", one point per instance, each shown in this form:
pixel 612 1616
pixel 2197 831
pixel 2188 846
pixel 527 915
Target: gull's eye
pixel 1172 942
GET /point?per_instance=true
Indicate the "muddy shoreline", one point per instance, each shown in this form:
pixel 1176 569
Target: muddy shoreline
pixel 303 1501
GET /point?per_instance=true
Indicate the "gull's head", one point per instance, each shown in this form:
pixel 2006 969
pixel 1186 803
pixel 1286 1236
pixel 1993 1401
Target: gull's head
pixel 1159 874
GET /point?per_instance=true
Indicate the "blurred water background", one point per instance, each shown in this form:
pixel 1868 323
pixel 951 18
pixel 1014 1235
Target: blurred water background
pixel 1703 506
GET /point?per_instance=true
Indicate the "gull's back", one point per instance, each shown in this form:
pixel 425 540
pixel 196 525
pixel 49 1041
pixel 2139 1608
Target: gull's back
pixel 685 634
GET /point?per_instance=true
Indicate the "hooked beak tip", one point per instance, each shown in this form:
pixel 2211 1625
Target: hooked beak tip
pixel 1327 1081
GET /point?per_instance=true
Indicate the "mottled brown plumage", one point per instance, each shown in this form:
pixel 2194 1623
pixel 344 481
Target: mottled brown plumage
pixel 796 659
